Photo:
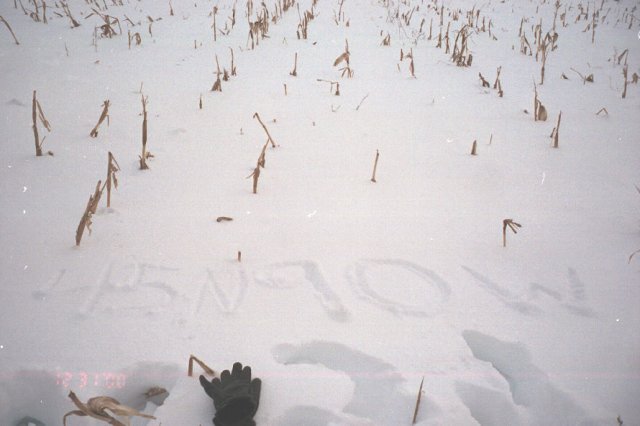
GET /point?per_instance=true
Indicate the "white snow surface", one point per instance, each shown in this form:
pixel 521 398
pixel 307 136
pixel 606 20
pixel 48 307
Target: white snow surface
pixel 348 292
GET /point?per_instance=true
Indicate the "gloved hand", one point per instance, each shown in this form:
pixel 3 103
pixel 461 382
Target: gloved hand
pixel 234 395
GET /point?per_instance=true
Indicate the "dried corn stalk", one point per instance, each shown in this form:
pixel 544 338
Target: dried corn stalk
pixel 539 111
pixel 233 65
pixel 294 73
pixel 255 175
pixel 112 168
pixel 461 55
pixel 202 365
pixel 624 74
pixel 485 83
pixel 375 167
pixel 67 12
pixel 97 408
pixel 554 133
pixel 105 114
pixel 411 65
pixel 36 113
pixel 587 79
pixel 10 30
pixel 145 155
pixel 217 86
pixel 512 225
pixel 344 57
pixel 90 209
pixel 270 139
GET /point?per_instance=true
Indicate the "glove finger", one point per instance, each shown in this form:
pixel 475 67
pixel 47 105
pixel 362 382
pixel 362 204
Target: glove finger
pixel 225 377
pixel 209 388
pixel 255 389
pixel 237 370
pixel 246 373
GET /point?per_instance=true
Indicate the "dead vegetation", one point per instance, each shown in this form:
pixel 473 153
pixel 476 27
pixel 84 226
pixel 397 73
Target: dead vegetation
pixel 375 167
pixel 10 30
pixel 539 110
pixel 461 55
pixel 294 73
pixel 332 85
pixel 217 85
pixel 344 57
pixel 67 12
pixel 386 41
pixel 555 131
pixel 205 367
pixel 134 37
pixel 112 168
pixel 89 211
pixel 418 398
pixel 145 154
pixel 585 79
pixel 103 115
pixel 103 408
pixel 303 21
pixel 512 225
pixel 38 114
pixel 107 29
pixel 262 157
pixel 409 56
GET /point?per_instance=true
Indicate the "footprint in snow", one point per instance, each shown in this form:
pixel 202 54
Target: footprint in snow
pixel 378 394
pixel 535 396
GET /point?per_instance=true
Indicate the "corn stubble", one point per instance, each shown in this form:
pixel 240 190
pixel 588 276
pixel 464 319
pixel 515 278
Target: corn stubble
pixel 89 211
pixel 555 131
pixel 104 115
pixel 112 168
pixel 38 114
pixel 514 226
pixel 375 167
pixel 145 154
pixel 344 57
pixel 262 158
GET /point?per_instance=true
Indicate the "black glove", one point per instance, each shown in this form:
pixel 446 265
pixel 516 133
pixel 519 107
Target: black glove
pixel 234 395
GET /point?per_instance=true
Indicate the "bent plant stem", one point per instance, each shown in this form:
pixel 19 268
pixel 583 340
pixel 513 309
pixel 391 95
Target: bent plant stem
pixel 90 209
pixel 256 116
pixel 512 225
pixel 10 30
pixel 202 365
pixel 105 114
pixel 37 113
pixel 112 168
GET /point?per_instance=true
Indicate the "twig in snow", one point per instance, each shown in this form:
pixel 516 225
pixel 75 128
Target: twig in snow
pixel 202 365
pixel 375 167
pixel 10 30
pixel 415 412
pixel 105 114
pixel 256 116
pixel 512 225
pixel 365 97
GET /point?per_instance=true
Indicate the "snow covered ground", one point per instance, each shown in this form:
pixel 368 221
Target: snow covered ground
pixel 349 292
